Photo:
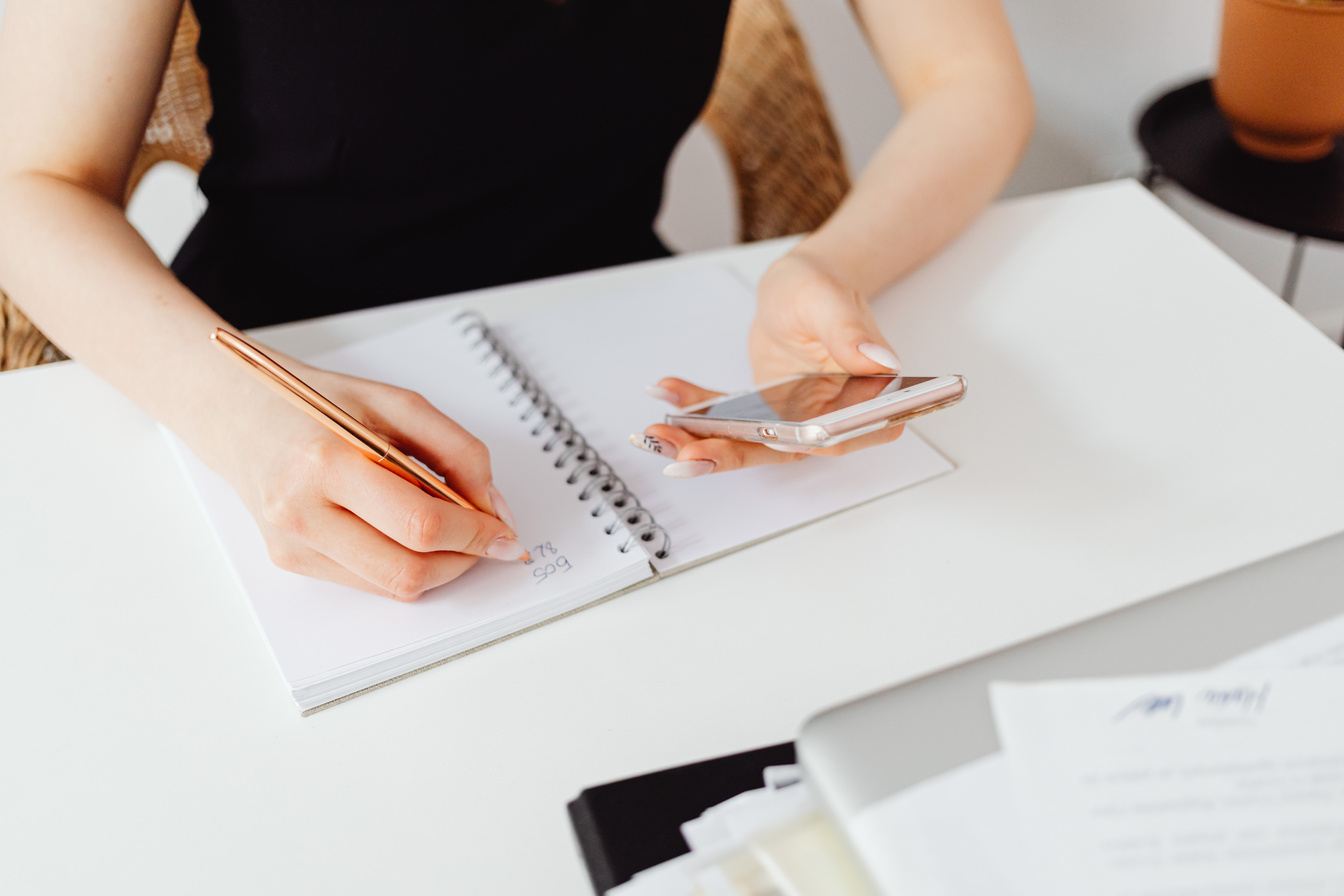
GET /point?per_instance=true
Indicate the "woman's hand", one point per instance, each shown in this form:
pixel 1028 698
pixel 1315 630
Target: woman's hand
pixel 808 320
pixel 326 511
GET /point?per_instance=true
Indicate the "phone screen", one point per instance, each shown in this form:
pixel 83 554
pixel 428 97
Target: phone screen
pixel 808 396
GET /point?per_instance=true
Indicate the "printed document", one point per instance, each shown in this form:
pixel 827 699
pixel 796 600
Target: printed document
pixel 1223 782
pixel 960 833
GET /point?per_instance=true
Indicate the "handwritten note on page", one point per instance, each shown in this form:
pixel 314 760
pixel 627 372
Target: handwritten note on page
pixel 1224 782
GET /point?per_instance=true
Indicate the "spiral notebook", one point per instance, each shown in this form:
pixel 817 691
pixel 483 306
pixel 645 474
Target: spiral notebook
pixel 554 395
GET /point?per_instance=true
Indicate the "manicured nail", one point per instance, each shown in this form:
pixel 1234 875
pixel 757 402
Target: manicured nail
pixel 654 445
pixel 502 509
pixel 689 469
pixel 504 548
pixel 880 355
pixel 662 394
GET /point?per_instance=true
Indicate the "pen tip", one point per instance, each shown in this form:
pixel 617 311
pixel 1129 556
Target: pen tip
pixel 526 558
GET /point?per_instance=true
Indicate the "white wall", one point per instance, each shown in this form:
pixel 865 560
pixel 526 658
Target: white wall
pixel 1092 65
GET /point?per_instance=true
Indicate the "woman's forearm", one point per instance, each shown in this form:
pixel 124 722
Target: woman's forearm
pixel 948 157
pixel 71 261
pixel 81 271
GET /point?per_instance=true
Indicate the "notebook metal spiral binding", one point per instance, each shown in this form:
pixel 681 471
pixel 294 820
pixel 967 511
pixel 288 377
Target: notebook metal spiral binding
pixel 583 462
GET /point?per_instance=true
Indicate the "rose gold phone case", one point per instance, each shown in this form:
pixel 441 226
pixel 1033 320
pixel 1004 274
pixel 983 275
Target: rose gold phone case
pixel 829 429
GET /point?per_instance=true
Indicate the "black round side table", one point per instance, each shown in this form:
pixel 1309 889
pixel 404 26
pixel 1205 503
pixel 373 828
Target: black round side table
pixel 1187 142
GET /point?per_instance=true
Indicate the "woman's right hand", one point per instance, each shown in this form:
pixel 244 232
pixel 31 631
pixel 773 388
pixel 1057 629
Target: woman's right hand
pixel 77 83
pixel 326 511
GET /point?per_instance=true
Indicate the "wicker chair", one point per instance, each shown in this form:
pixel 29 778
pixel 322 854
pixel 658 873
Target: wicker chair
pixel 766 110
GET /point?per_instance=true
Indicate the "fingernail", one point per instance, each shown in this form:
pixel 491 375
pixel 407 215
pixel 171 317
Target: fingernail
pixel 689 469
pixel 662 394
pixel 787 449
pixel 654 445
pixel 502 509
pixel 880 355
pixel 504 548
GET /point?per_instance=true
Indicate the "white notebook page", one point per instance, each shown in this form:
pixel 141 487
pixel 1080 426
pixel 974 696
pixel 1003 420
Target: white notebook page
pixel 595 357
pixel 330 640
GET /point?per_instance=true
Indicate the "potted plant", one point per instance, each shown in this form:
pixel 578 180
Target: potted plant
pixel 1280 80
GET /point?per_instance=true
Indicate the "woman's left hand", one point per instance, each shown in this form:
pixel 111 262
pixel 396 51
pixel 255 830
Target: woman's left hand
pixel 808 320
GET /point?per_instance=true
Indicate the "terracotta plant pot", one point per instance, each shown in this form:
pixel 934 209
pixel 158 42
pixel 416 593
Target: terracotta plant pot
pixel 1280 80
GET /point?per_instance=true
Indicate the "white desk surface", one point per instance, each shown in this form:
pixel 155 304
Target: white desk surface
pixel 1141 414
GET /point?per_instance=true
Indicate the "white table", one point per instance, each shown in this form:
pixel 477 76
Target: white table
pixel 1141 414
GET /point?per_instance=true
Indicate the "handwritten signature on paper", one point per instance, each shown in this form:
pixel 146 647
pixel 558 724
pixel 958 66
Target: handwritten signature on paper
pixel 1154 705
pixel 1243 699
pixel 543 570
pixel 1246 699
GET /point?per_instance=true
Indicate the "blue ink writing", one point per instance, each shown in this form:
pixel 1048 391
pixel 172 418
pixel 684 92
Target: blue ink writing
pixel 545 571
pixel 1153 705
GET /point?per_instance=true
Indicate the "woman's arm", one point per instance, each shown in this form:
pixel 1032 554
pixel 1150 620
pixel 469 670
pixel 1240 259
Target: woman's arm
pixel 967 117
pixel 78 79
pixel 966 120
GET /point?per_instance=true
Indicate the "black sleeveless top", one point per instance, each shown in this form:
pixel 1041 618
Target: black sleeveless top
pixel 372 151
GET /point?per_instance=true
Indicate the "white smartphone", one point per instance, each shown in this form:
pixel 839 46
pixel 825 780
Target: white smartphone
pixel 818 410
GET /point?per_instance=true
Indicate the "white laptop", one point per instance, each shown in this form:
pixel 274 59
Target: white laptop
pixel 857 756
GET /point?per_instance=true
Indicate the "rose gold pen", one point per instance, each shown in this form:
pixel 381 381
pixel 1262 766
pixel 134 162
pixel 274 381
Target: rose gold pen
pixel 373 446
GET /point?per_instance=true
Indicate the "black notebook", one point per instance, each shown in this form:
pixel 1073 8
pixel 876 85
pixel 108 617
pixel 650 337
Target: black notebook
pixel 627 826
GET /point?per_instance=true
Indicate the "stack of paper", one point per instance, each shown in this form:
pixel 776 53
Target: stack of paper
pixel 773 841
pixel 1222 782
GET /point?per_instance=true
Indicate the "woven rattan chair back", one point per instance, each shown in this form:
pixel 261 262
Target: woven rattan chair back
pixel 766 111
pixel 176 129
